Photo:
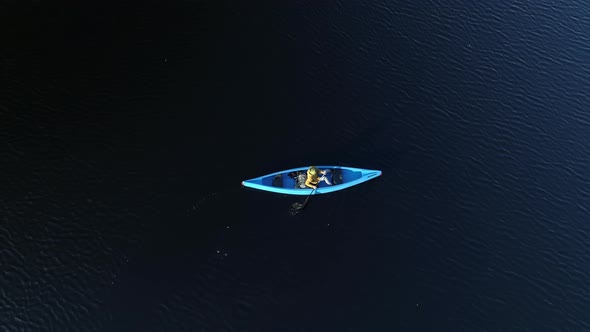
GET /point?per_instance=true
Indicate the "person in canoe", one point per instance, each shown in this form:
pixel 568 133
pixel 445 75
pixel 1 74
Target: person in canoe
pixel 313 178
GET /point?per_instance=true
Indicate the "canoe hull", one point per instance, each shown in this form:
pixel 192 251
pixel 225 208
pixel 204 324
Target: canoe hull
pixel 280 182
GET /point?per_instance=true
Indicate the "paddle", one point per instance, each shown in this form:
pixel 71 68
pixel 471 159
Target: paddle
pixel 297 207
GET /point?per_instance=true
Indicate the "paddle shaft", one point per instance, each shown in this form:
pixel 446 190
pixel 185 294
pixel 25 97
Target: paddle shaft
pixel 307 199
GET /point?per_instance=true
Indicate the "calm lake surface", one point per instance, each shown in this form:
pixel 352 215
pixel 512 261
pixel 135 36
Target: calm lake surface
pixel 128 128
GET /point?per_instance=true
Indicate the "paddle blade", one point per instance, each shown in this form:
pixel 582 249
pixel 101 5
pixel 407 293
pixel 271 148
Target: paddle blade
pixel 297 207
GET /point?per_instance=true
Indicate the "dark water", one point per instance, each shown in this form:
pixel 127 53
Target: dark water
pixel 127 129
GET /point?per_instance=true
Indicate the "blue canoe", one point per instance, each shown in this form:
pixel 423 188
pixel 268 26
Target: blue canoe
pixel 283 182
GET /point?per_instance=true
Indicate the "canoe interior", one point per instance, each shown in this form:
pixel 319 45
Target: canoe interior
pixel 337 176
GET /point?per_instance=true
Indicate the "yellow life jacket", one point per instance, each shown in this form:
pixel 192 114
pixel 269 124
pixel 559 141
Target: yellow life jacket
pixel 312 179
